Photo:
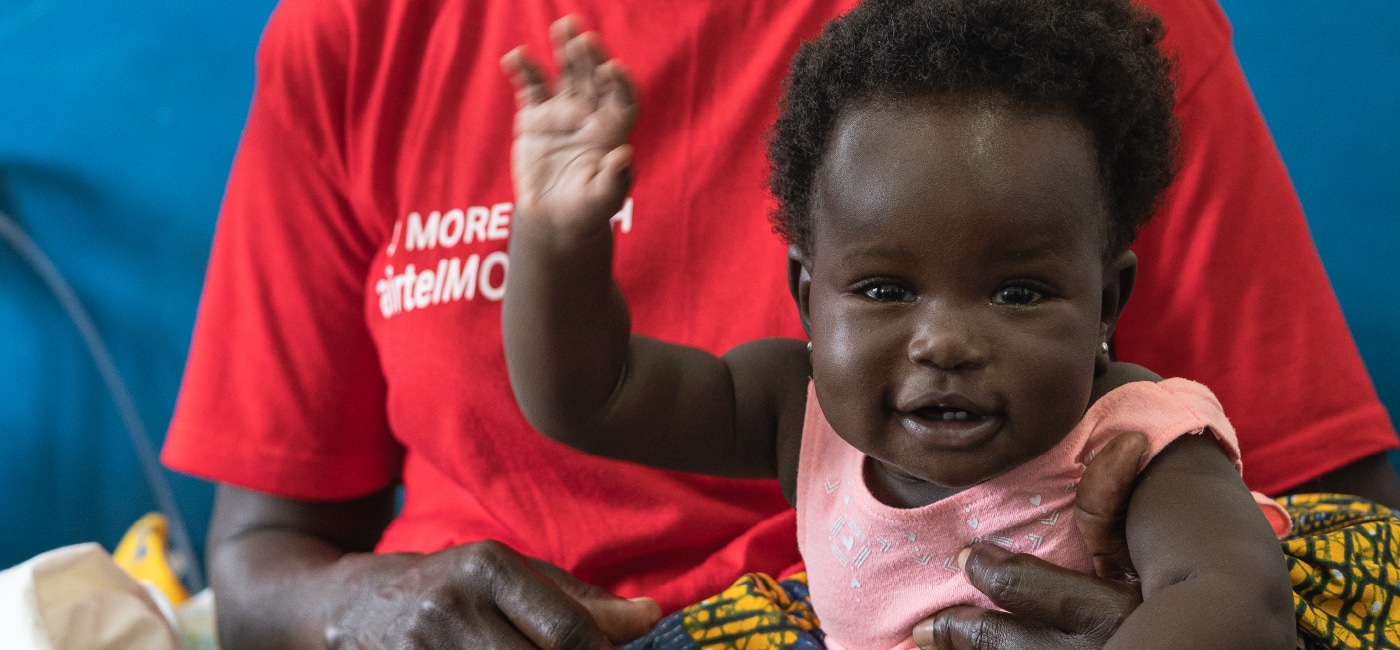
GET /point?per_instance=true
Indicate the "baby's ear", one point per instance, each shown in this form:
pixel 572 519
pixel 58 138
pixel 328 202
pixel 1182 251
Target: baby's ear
pixel 800 285
pixel 1120 274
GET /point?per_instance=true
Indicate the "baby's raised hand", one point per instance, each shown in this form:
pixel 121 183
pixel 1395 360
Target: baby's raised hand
pixel 570 159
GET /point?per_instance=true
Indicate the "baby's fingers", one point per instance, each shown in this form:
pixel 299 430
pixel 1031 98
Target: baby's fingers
pixel 527 77
pixel 570 47
pixel 614 86
pixel 614 176
pixel 617 165
pixel 583 54
pixel 561 32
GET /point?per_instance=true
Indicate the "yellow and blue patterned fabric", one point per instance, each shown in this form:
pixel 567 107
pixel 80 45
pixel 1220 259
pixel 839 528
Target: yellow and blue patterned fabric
pixel 755 613
pixel 1343 556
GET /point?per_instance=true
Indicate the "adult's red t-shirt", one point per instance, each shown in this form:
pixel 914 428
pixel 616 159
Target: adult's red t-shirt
pixel 349 333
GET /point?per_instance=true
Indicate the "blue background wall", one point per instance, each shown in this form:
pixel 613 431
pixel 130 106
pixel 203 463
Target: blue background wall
pixel 118 120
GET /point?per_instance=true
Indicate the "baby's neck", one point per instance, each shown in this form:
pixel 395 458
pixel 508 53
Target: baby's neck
pixel 899 490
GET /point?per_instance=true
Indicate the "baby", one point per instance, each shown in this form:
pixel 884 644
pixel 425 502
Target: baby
pixel 960 181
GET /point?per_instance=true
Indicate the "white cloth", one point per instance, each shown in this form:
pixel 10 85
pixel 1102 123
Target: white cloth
pixel 76 598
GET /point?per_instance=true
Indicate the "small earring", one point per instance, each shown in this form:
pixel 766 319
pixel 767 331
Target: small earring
pixel 1104 347
pixel 809 347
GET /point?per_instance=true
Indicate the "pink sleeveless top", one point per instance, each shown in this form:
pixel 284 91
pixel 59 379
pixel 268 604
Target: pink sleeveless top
pixel 876 570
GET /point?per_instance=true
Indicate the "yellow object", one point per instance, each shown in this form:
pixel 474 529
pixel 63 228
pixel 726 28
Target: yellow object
pixel 142 554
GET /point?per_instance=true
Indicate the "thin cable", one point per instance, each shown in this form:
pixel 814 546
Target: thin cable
pixel 182 557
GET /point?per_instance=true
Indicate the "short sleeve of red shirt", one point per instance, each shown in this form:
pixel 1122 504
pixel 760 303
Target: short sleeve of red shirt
pixel 283 391
pixel 1230 290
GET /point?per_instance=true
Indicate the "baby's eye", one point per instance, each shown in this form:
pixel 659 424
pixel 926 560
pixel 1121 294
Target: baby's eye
pixel 885 292
pixel 1016 295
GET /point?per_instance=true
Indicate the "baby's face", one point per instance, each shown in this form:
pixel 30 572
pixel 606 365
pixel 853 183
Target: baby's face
pixel 956 302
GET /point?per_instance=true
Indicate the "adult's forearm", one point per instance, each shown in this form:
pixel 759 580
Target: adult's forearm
pixel 275 589
pixel 281 567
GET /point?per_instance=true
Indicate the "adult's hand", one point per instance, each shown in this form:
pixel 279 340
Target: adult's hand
pixel 482 595
pixel 1048 606
pixel 299 574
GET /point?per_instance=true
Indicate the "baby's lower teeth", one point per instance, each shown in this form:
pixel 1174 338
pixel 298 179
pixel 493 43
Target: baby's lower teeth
pixel 955 415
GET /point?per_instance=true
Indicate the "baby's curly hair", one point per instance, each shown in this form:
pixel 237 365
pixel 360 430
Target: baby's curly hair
pixel 1098 60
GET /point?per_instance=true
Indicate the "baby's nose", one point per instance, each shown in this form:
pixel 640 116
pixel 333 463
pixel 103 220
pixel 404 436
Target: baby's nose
pixel 948 339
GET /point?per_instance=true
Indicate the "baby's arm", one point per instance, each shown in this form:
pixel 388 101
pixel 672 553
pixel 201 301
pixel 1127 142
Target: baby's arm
pixel 578 373
pixel 1213 574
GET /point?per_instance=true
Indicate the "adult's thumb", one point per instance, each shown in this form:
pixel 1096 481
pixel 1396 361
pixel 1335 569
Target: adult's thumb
pixel 621 619
pixel 1101 503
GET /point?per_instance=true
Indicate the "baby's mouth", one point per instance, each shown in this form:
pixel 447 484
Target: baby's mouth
pixel 947 413
pixel 950 423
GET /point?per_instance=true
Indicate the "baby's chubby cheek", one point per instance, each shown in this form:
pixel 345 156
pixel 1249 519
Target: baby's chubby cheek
pixel 1054 401
pixel 853 384
pixel 848 359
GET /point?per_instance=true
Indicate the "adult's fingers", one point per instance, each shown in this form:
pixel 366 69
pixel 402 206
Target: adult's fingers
pixel 530 600
pixel 623 620
pixel 1101 504
pixel 620 619
pixel 1040 592
pixel 438 623
pixel 974 628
